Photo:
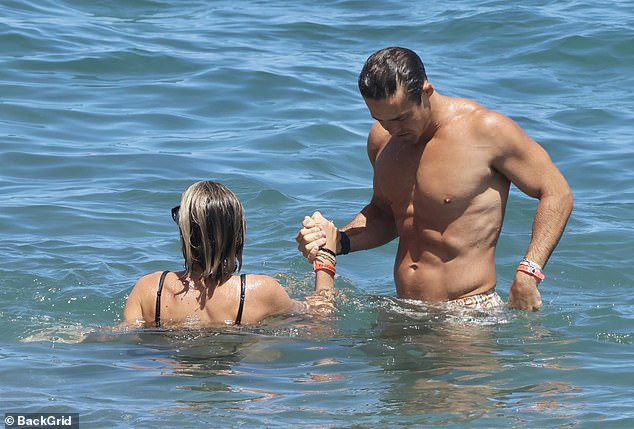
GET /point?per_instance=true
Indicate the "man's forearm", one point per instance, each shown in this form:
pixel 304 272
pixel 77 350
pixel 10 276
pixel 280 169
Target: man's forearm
pixel 371 228
pixel 550 221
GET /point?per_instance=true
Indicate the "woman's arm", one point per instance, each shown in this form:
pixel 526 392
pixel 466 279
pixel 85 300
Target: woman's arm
pixel 133 314
pixel 324 265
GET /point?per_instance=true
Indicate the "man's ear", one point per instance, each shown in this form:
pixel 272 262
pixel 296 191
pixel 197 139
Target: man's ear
pixel 428 88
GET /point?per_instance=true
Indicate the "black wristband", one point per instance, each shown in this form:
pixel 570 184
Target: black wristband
pixel 330 252
pixel 344 241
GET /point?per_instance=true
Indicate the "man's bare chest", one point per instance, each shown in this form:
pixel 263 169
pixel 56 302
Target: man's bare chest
pixel 435 178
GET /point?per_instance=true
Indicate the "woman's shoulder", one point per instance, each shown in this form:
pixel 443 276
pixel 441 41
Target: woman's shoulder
pixel 147 286
pixel 151 280
pixel 261 285
pixel 140 303
pixel 260 280
pixel 268 292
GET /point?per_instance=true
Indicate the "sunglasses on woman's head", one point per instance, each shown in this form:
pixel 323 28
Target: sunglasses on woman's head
pixel 175 211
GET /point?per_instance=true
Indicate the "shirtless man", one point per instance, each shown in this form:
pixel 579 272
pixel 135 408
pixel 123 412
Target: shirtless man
pixel 442 171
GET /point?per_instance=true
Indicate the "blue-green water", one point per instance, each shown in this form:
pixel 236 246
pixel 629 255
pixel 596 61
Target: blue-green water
pixel 108 111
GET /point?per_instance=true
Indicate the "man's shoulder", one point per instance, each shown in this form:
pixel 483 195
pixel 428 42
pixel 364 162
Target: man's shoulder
pixel 378 134
pixel 479 119
pixel 377 139
pixel 470 110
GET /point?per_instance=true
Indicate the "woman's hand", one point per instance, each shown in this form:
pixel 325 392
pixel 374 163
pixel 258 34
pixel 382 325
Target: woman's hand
pixel 316 232
pixel 328 229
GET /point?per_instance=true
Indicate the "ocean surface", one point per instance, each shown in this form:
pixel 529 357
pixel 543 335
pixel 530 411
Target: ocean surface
pixel 110 109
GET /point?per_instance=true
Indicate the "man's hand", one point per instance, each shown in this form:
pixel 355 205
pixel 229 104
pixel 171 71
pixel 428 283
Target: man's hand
pixel 310 238
pixel 524 294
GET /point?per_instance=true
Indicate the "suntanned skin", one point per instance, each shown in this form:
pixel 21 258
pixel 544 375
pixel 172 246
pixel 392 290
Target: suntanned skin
pixel 188 301
pixel 442 171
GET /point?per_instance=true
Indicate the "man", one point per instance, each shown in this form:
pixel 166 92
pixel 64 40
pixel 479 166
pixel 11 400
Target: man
pixel 442 171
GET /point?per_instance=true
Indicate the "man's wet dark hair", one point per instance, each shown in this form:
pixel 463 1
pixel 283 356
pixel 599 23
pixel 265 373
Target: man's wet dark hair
pixel 388 68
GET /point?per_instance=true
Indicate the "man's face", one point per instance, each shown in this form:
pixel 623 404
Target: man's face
pixel 403 118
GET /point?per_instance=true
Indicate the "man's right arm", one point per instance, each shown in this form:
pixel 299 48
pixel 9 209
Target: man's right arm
pixel 372 227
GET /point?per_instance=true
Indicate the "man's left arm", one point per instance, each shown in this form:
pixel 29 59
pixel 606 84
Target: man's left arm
pixel 527 165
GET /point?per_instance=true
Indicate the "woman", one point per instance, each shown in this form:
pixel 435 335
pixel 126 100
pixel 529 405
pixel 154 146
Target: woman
pixel 208 292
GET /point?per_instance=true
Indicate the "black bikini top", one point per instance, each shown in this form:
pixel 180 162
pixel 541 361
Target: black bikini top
pixel 243 288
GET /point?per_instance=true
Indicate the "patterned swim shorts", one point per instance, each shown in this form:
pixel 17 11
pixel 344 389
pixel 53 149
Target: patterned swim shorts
pixel 489 299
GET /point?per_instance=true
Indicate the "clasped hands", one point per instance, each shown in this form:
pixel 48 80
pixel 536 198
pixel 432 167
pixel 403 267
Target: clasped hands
pixel 317 232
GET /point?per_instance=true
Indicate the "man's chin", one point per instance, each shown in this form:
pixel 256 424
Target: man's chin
pixel 406 138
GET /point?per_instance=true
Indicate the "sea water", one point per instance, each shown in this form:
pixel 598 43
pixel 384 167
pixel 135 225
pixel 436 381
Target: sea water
pixel 110 109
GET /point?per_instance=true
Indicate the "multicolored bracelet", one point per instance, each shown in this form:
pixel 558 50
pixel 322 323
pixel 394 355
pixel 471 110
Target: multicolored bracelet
pixel 326 258
pixel 330 252
pixel 531 268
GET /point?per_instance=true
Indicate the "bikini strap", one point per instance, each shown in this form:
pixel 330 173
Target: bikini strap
pixel 243 289
pixel 157 316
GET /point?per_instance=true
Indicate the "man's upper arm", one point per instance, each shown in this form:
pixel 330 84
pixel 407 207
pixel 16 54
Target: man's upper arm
pixel 377 138
pixel 377 211
pixel 522 160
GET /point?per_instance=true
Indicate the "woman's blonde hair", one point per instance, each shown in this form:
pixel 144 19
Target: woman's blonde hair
pixel 212 229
